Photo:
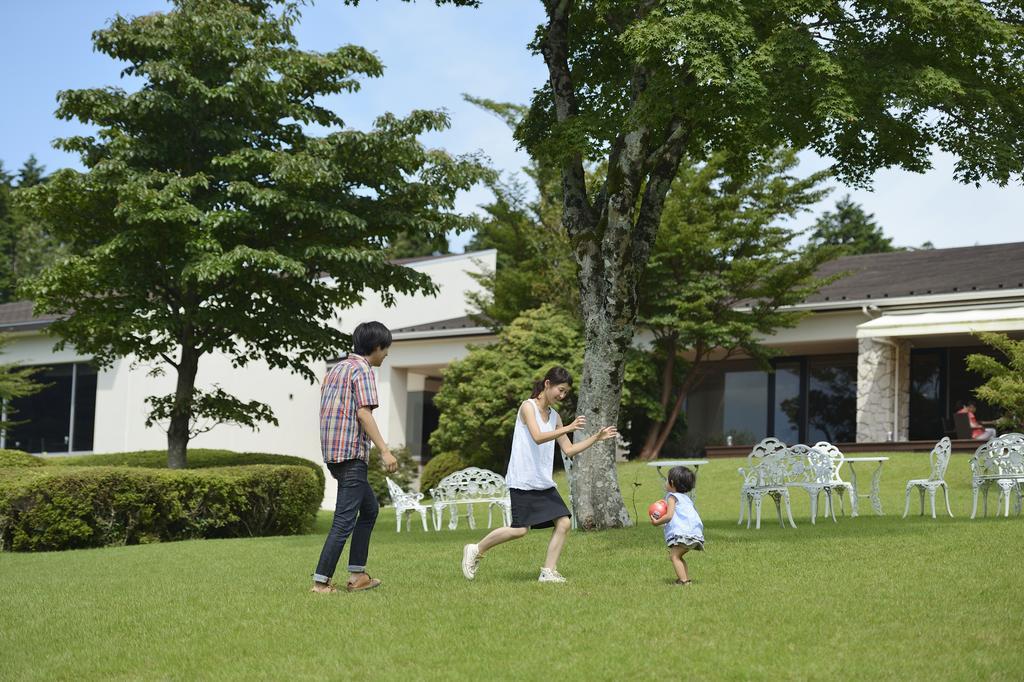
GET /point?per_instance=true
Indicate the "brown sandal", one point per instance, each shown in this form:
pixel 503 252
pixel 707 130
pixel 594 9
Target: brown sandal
pixel 362 582
pixel 331 588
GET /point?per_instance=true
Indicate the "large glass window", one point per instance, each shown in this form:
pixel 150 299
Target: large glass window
pixel 745 412
pixel 927 393
pixel 963 382
pixel 60 417
pixel 730 401
pixel 788 411
pixel 805 399
pixel 832 399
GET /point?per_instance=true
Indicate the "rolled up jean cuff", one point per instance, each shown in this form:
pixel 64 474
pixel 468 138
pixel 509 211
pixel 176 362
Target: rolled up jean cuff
pixel 317 578
pixel 357 569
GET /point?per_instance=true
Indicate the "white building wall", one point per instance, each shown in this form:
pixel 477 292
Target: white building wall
pixel 820 328
pixel 122 389
pixel 450 273
pixel 121 408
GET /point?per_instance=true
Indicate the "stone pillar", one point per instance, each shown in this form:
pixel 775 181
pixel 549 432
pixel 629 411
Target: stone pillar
pixel 875 381
pixel 904 432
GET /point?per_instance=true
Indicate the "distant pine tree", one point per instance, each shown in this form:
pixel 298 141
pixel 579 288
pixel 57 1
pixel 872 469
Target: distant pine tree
pixel 850 231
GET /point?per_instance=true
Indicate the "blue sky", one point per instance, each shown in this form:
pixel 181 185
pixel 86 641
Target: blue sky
pixel 432 55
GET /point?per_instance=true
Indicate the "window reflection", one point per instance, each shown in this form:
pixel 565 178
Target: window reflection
pixel 927 402
pixel 832 399
pixel 735 397
pixel 44 421
pixel 787 402
pixel 746 405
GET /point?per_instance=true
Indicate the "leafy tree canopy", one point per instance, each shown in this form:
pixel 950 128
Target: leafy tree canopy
pixel 1004 385
pixel 723 272
pixel 481 393
pixel 210 219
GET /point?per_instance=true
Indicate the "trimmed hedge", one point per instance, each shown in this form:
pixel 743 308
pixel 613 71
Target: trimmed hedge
pixel 375 473
pixel 198 458
pixel 17 458
pixel 437 468
pixel 69 507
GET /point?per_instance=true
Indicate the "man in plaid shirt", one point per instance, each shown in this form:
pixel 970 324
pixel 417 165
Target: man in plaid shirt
pixel 348 397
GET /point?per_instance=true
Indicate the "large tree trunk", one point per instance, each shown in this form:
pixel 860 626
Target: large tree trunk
pixel 181 412
pixel 651 449
pixel 612 237
pixel 597 499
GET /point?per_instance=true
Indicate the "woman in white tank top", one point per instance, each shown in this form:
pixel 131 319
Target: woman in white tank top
pixel 535 499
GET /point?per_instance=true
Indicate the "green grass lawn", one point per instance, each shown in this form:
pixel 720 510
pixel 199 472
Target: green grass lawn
pixel 871 597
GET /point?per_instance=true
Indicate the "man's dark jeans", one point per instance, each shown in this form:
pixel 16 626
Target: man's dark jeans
pixel 354 497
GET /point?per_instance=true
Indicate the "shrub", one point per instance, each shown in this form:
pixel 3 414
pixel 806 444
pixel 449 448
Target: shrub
pixel 68 507
pixel 1004 382
pixel 17 458
pixel 437 468
pixel 199 458
pixel 407 469
pixel 482 392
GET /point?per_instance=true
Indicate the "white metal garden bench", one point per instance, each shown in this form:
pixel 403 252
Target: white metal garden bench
pixel 939 459
pixel 999 461
pixel 468 487
pixel 773 468
pixel 765 474
pixel 406 503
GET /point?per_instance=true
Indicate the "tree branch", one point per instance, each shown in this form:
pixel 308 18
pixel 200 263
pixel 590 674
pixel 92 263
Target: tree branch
pixel 663 165
pixel 577 211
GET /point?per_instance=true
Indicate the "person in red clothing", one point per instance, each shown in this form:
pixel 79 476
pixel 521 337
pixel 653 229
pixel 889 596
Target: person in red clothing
pixel 978 429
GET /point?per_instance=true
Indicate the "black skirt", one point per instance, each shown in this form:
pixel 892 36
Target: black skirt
pixel 536 508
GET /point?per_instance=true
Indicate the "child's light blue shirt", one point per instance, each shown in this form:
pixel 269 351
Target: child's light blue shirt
pixel 685 526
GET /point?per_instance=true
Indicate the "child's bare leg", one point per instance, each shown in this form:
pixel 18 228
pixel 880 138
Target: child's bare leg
pixel 675 553
pixel 561 530
pixel 500 535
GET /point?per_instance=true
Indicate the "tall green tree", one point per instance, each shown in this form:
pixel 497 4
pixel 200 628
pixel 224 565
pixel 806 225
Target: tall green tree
pixel 849 231
pixel 1004 380
pixel 31 172
pixel 210 220
pixel 415 244
pixel 641 86
pixel 723 273
pixel 26 247
pixel 15 382
pixel 8 237
pixel 481 393
pixel 534 265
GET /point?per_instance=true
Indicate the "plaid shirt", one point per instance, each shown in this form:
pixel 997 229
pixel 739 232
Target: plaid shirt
pixel 348 386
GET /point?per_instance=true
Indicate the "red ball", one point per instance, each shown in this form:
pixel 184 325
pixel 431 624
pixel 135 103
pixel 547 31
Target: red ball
pixel 657 509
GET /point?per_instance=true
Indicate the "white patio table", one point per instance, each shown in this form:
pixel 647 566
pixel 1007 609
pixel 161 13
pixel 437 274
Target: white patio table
pixel 695 463
pixel 876 477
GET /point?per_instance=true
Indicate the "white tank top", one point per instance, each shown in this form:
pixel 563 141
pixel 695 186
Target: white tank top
pixel 530 466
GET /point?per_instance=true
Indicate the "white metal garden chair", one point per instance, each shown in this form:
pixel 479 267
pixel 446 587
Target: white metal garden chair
pixel 939 459
pixel 406 503
pixel 836 482
pixel 768 466
pixel 999 461
pixel 814 470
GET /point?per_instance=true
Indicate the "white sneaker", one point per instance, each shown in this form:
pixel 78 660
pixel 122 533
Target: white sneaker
pixel 470 561
pixel 550 575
